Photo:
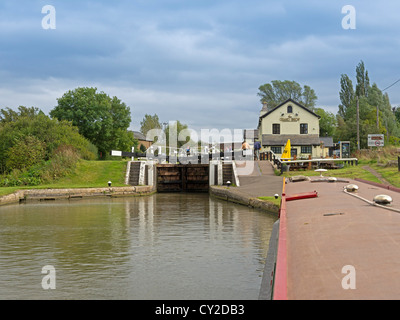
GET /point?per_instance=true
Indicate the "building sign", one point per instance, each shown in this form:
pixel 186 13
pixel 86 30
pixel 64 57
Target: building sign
pixel 116 153
pixel 376 140
pixel 290 119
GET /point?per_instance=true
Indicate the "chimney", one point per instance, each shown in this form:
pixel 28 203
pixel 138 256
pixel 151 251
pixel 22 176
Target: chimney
pixel 264 109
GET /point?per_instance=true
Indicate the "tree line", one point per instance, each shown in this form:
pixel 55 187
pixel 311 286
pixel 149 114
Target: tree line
pixel 37 148
pixel 376 114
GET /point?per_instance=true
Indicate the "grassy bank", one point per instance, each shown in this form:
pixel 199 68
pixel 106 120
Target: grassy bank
pixel 350 172
pixel 93 174
pixel 384 163
pixel 277 201
pixel 87 174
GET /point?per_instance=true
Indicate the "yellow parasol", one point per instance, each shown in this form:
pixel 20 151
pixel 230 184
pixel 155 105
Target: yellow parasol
pixel 286 152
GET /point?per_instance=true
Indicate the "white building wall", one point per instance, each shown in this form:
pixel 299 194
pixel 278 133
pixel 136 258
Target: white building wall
pixel 299 115
pixel 290 124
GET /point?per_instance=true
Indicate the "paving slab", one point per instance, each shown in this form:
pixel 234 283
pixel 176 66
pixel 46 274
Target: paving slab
pixel 262 182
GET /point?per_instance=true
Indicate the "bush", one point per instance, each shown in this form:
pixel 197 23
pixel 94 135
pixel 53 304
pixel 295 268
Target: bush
pixel 24 133
pixel 382 154
pixel 25 153
pixel 61 164
pixel 20 178
pixel 90 152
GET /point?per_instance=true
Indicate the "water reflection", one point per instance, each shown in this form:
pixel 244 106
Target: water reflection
pixel 167 246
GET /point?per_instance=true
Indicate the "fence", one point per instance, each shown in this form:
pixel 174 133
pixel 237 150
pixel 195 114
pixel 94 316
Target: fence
pixel 284 165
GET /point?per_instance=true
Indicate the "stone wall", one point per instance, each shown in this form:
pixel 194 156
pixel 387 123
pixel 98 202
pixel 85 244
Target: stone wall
pixel 75 193
pixel 233 194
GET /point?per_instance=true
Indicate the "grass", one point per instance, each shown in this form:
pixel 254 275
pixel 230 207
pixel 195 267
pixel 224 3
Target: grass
pixel 96 174
pixel 93 174
pixel 391 174
pixel 348 171
pixel 277 201
pixel 88 174
pixel 8 190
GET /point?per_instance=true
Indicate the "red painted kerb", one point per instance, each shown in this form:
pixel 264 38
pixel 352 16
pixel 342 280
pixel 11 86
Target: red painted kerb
pixel 280 283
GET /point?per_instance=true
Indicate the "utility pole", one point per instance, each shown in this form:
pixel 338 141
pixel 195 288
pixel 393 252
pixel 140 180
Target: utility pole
pixel 377 118
pixel 358 125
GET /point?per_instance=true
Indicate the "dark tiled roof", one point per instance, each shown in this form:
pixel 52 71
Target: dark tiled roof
pixel 295 139
pixel 253 133
pixel 140 136
pixel 327 141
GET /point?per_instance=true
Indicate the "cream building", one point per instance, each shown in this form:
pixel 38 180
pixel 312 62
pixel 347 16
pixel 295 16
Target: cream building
pixel 290 120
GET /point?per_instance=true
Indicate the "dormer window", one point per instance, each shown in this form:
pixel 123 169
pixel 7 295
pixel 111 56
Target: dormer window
pixel 289 109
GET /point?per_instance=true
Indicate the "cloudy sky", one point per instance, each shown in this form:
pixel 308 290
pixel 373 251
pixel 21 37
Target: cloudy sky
pixel 197 61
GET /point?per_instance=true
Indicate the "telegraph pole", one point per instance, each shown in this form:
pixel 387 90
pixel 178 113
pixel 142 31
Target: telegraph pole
pixel 358 126
pixel 377 117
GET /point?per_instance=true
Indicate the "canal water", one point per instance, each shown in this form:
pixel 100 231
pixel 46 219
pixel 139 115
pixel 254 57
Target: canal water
pixel 165 246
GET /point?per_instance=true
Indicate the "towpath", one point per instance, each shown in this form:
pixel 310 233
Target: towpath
pixel 378 175
pixel 261 182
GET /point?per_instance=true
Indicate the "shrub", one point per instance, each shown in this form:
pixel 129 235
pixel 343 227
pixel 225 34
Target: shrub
pixel 62 163
pixel 25 153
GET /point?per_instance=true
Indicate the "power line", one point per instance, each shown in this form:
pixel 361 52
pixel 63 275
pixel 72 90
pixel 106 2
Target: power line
pixel 391 85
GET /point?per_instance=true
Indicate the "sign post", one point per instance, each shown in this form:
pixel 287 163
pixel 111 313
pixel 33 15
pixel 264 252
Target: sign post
pixel 116 153
pixel 376 140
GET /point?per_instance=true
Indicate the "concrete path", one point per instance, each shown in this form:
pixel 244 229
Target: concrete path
pixel 262 182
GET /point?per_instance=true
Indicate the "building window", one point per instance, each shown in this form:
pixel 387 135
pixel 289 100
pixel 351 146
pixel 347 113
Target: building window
pixel 276 128
pixel 303 128
pixel 276 150
pixel 289 109
pixel 306 149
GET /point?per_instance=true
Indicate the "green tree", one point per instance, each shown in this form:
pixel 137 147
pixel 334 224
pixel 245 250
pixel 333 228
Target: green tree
pixel 375 111
pixel 149 122
pixel 102 120
pixel 51 132
pixel 9 115
pixel 346 94
pixel 26 152
pixel 362 86
pixel 176 127
pixel 279 91
pixel 309 98
pixel 396 111
pixel 327 123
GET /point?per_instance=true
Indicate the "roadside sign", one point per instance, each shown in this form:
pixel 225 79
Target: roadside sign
pixel 116 153
pixel 376 140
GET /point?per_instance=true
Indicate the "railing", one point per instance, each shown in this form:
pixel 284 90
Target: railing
pixel 196 158
pixel 278 162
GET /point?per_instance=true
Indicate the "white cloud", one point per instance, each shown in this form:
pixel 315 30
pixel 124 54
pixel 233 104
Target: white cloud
pixel 200 62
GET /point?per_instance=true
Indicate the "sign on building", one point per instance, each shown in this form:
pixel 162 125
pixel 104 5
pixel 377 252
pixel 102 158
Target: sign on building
pixel 376 140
